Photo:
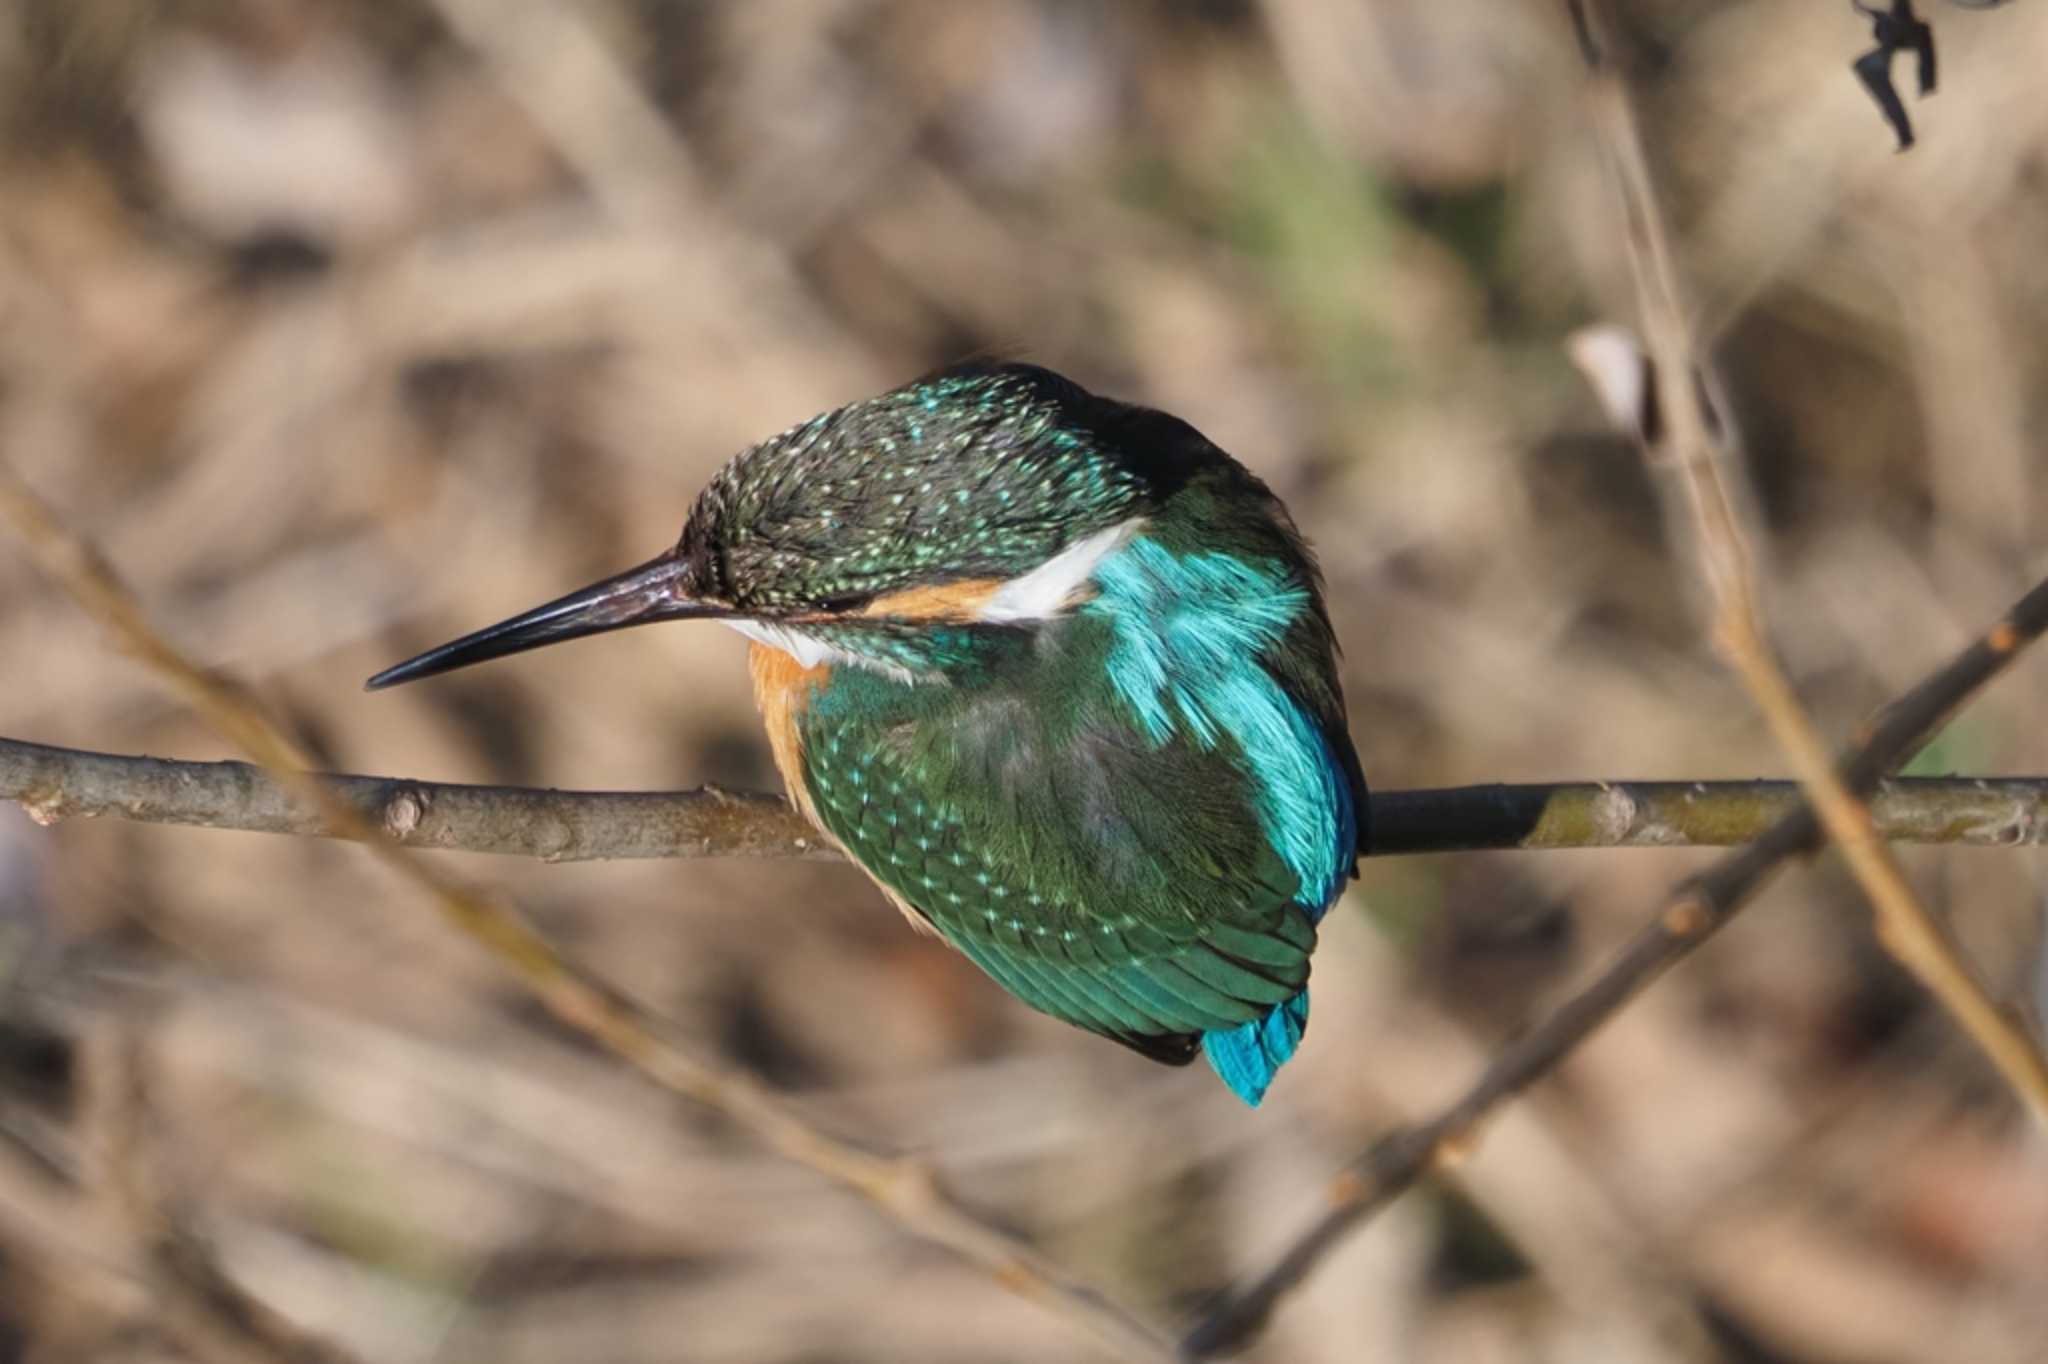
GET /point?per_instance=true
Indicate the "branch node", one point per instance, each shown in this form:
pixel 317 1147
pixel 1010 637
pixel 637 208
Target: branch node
pixel 47 808
pixel 911 1187
pixel 1686 918
pixel 403 810
pixel 1449 1151
pixel 1614 813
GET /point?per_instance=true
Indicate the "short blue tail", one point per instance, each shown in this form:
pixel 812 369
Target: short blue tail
pixel 1250 1054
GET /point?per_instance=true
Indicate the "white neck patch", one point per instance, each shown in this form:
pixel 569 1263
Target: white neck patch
pixel 809 651
pixel 1043 593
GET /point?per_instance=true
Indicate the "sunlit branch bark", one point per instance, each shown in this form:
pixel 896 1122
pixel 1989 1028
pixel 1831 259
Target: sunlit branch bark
pixel 53 784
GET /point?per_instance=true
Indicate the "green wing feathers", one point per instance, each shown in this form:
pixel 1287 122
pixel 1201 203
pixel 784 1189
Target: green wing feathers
pixel 1122 890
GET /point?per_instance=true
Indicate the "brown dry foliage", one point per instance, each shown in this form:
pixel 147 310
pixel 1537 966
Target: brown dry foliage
pixel 347 327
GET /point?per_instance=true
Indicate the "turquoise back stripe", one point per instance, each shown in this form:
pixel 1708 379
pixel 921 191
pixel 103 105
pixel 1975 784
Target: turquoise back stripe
pixel 1189 630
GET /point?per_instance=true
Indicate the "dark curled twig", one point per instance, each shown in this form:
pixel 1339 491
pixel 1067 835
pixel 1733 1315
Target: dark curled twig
pixel 1694 911
pixel 1895 30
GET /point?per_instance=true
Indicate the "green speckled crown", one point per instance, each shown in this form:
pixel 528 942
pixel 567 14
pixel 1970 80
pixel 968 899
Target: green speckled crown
pixel 977 472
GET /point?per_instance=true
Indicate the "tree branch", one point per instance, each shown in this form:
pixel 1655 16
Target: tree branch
pixel 53 784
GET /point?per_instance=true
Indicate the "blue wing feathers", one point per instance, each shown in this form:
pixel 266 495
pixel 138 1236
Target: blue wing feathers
pixel 1193 632
pixel 1248 1056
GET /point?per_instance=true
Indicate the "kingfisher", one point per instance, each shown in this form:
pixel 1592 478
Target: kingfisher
pixel 1056 672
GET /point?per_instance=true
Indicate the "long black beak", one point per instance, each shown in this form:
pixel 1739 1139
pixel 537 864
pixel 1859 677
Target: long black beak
pixel 654 591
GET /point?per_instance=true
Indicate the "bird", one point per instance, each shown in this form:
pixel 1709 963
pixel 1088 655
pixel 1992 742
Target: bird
pixel 1056 672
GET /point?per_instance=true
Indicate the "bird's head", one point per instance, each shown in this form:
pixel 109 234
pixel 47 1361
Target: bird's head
pixel 892 532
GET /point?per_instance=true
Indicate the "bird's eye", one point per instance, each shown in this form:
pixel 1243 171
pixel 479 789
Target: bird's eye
pixel 846 602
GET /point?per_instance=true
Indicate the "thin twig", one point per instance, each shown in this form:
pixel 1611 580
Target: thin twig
pixel 904 1189
pixel 1696 445
pixel 1694 911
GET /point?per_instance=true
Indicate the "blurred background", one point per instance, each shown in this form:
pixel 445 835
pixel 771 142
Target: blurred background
pixel 347 327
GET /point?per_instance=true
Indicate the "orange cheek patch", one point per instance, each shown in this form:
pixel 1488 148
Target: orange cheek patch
pixel 951 602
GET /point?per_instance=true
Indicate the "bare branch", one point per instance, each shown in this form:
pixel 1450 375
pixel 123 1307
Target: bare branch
pixel 557 826
pixel 1968 811
pixel 53 784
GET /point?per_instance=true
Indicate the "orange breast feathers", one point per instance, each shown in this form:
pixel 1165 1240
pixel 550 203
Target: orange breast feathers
pixel 782 685
pixel 782 689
